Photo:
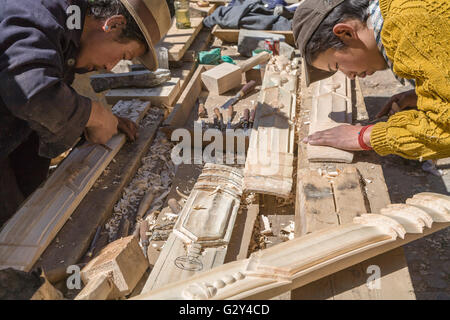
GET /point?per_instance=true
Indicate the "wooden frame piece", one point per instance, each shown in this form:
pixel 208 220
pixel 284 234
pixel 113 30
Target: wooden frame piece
pixel 298 262
pixel 203 229
pixel 232 35
pixel 28 233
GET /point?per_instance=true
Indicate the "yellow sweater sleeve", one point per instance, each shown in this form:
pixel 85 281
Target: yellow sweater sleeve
pixel 416 36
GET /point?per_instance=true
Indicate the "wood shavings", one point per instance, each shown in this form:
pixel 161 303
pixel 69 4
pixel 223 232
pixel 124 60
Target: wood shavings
pixel 155 173
pixel 265 223
pixel 181 194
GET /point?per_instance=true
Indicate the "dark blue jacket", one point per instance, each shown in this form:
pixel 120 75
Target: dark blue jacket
pixel 37 56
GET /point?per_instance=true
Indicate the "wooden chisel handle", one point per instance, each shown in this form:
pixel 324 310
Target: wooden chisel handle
pixel 247 88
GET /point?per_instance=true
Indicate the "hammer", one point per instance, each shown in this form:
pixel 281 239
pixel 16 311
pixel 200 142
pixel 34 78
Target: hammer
pixel 227 76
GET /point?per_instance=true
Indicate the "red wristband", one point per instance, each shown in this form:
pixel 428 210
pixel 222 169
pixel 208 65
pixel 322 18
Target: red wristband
pixel 361 142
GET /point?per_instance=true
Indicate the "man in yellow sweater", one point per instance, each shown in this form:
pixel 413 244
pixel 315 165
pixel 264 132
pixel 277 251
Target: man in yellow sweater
pixel 360 37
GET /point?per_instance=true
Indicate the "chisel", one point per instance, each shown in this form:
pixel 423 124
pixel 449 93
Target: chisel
pixel 247 88
pixel 218 119
pixel 252 117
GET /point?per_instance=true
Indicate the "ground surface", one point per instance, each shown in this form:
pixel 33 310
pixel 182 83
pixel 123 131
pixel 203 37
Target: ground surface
pixel 428 258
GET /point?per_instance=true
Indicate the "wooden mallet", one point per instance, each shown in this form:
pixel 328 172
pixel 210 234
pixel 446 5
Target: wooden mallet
pixel 227 76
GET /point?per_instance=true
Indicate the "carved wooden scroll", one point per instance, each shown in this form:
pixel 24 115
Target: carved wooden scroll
pixel 270 156
pixel 298 262
pixel 331 107
pixel 203 229
pixel 28 233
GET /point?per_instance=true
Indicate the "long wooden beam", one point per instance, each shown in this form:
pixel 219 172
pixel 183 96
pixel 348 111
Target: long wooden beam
pixel 269 165
pixel 295 263
pixel 28 233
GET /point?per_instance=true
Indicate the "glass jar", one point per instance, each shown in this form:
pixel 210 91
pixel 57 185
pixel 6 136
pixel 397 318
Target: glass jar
pixel 182 14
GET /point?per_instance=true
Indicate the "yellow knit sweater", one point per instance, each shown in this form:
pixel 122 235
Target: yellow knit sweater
pixel 416 36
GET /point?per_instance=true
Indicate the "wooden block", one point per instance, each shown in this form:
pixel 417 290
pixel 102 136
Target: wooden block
pixel 222 78
pixel 163 95
pixel 124 259
pixel 26 235
pixel 101 287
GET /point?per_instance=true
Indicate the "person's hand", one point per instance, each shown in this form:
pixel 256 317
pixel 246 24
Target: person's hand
pixel 128 127
pixel 102 124
pixel 343 137
pixel 399 102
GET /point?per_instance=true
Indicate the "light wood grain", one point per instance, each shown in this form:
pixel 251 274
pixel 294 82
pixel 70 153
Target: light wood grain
pixel 232 35
pixel 298 262
pixel 331 107
pixel 203 229
pixel 163 95
pixel 177 41
pixel 26 235
pixel 270 156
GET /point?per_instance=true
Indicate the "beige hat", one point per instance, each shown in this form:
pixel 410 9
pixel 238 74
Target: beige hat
pixel 154 20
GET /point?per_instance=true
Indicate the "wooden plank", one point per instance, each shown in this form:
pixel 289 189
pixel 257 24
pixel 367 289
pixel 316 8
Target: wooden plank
pixel 315 203
pixel 251 215
pixel 331 107
pixel 232 35
pixel 203 229
pixel 177 41
pixel 163 95
pixel 189 66
pixel 26 235
pixel 298 262
pixel 269 165
pixel 75 237
pixel 186 102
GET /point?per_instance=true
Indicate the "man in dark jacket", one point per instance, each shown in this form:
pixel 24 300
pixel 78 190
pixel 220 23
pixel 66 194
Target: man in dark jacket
pixel 42 45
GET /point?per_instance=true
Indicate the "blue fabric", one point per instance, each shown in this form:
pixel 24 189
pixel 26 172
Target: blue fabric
pixel 247 14
pixel 36 49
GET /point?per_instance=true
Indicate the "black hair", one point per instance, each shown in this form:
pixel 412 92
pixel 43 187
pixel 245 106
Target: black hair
pixel 324 38
pixel 104 9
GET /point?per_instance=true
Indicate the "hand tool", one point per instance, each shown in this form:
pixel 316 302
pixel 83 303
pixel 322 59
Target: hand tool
pixel 245 89
pixel 229 114
pixel 201 108
pixel 252 117
pixel 246 119
pixel 227 76
pixel 218 119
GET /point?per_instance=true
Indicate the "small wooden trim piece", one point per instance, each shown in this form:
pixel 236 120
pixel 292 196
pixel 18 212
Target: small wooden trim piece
pixel 28 233
pixel 331 107
pixel 295 263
